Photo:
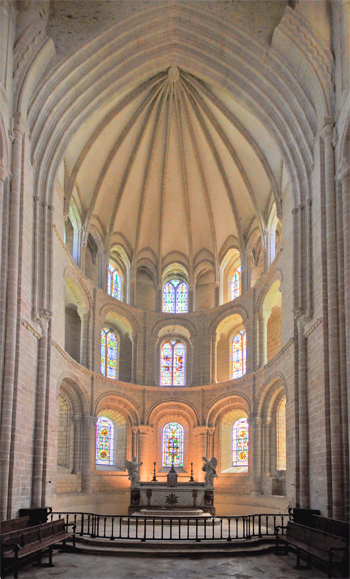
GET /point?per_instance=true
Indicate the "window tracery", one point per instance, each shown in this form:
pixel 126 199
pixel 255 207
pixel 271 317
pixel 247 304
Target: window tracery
pixel 240 441
pixel 173 445
pixel 109 353
pixel 239 354
pixel 113 282
pixel 172 363
pixel 175 297
pixel 104 441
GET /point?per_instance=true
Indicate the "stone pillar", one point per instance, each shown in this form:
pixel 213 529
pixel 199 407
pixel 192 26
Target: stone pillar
pixel 213 359
pixel 88 451
pixel 84 328
pixel 217 294
pixel 4 235
pixel 134 359
pixel 39 428
pixel 147 452
pixel 202 446
pixel 267 451
pixel 333 341
pixel 303 418
pixel 262 340
pixel 255 453
pixel 344 179
pixel 211 442
pixel 11 317
pixel 159 298
pixel 77 421
pixel 135 441
pixel 191 298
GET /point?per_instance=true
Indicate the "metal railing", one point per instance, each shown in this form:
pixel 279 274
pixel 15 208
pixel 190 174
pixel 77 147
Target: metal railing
pixel 167 528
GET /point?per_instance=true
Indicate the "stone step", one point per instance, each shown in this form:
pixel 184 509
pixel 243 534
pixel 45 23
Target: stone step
pixel 173 548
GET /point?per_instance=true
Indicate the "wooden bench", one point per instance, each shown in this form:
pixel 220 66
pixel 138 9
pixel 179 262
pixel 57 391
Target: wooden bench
pixel 324 547
pixel 14 524
pixel 22 543
pixel 332 526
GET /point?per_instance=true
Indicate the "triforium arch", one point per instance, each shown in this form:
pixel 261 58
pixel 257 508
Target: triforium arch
pixel 270 435
pixel 269 310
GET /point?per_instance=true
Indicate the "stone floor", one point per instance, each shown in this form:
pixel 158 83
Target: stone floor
pixel 73 566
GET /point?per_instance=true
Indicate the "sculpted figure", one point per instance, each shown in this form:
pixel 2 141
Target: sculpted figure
pixel 209 468
pixel 132 468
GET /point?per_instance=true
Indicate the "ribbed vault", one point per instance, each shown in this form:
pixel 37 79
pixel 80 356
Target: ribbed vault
pixel 177 165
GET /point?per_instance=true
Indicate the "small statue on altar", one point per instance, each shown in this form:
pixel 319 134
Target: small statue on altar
pixel 209 468
pixel 132 467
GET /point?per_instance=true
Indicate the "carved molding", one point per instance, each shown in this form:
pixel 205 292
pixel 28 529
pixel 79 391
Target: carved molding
pixel 30 329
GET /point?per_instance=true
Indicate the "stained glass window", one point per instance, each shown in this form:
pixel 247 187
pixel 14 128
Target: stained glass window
pixel 172 363
pixel 239 354
pixel 175 297
pixel 236 283
pixel 240 442
pixel 173 445
pixel 113 282
pixel 104 441
pixel 109 353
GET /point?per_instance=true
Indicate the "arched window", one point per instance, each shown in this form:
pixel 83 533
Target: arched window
pixel 236 283
pixel 173 445
pixel 281 435
pixel 172 363
pixel 114 282
pixel 175 297
pixel 239 354
pixel 104 441
pixel 109 353
pixel 240 441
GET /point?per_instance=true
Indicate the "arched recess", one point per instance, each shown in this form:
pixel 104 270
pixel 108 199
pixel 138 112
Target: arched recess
pixel 269 306
pixel 72 408
pixel 124 416
pixel 221 419
pixel 181 413
pixel 222 343
pixel 204 284
pixel 77 309
pixel 175 334
pixel 145 297
pixel 121 327
pixel 229 265
pixel 271 429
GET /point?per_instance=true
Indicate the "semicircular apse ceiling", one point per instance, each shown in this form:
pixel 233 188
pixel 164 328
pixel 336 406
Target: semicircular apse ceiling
pixel 174 164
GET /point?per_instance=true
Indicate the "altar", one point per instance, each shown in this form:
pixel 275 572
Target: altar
pixel 193 498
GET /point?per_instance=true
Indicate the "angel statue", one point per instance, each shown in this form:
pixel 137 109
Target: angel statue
pixel 209 468
pixel 132 468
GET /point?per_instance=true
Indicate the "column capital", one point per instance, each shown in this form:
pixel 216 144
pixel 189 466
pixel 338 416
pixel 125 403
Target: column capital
pixel 200 430
pixel 90 421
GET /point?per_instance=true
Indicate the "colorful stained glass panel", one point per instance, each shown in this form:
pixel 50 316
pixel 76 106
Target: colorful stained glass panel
pixel 182 299
pixel 104 441
pixel 169 298
pixel 239 348
pixel 166 364
pixel 179 364
pixel 113 282
pixel 236 284
pixel 173 445
pixel 240 442
pixel 109 353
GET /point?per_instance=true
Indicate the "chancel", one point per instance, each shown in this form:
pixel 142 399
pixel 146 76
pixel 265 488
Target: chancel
pixel 175 258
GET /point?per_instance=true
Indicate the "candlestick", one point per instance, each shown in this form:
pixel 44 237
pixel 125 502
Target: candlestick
pixel 154 479
pixel 191 479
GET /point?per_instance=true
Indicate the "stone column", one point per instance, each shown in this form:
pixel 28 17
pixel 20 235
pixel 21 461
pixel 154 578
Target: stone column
pixel 213 359
pixel 4 235
pixel 84 327
pixel 333 341
pixel 344 179
pixel 190 298
pixel 303 418
pixel 255 453
pixel 77 420
pixel 39 428
pixel 88 451
pixel 211 442
pixel 159 298
pixel 11 316
pixel 135 441
pixel 146 450
pixel 262 340
pixel 217 294
pixel 134 359
pixel 267 451
pixel 200 437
